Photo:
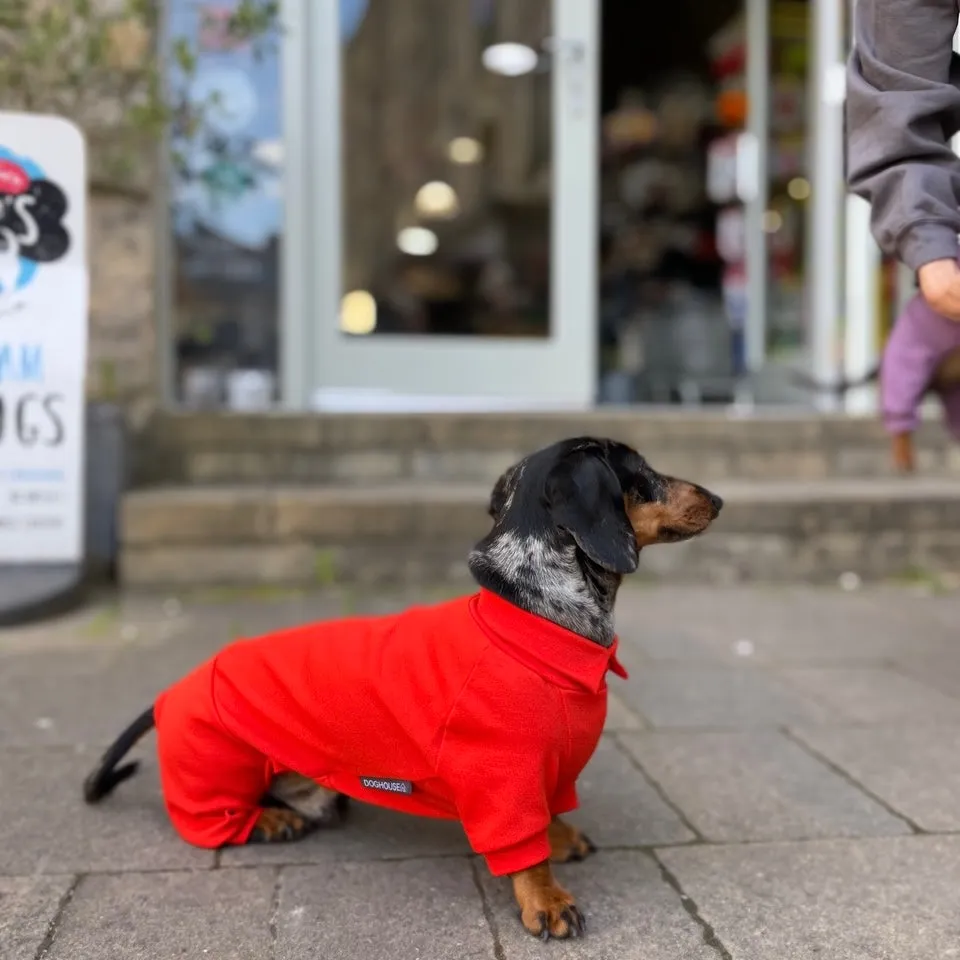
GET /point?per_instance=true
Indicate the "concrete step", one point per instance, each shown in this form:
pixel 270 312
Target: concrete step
pixel 414 533
pixel 373 450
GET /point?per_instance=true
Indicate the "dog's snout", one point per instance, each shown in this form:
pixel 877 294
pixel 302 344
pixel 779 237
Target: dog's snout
pixel 715 502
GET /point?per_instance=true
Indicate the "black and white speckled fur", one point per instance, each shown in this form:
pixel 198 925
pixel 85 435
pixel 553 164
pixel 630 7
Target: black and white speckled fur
pixel 562 536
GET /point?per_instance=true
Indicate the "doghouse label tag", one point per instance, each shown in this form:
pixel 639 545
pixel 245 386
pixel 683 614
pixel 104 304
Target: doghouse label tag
pixel 391 786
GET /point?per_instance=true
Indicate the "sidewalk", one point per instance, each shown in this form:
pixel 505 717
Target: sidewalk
pixel 780 779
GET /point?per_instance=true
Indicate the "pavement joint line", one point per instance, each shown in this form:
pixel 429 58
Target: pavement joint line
pixel 638 713
pixel 765 662
pixel 754 728
pixel 324 862
pixel 656 787
pixel 217 859
pixel 488 913
pixel 648 849
pixel 274 910
pixel 710 938
pixel 903 670
pixel 51 932
pixel 797 738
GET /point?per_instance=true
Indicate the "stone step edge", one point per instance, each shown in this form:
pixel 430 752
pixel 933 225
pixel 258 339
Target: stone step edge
pixel 907 489
pixel 453 432
pixel 423 515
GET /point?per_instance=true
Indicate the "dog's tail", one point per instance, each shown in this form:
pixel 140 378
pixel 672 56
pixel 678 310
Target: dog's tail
pixel 838 389
pixel 103 778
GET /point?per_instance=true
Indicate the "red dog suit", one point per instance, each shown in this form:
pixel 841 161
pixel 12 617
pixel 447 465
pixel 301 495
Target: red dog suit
pixel 471 710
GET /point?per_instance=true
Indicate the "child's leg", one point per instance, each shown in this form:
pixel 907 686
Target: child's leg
pixel 950 398
pixel 907 369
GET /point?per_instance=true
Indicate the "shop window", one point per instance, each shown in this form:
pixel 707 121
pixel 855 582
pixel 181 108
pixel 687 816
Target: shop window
pixel 447 167
pixel 226 209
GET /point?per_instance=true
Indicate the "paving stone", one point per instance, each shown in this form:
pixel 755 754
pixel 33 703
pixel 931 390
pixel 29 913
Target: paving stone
pixel 814 666
pixel 423 909
pixel 223 914
pixel 703 696
pixel 872 694
pixel 632 914
pixel 620 716
pixel 45 827
pixel 87 629
pixel 877 899
pixel 939 670
pixel 619 807
pixel 44 701
pixel 45 698
pixel 676 646
pixel 756 786
pixel 794 624
pixel 370 833
pixel 28 906
pixel 915 768
pixel 76 696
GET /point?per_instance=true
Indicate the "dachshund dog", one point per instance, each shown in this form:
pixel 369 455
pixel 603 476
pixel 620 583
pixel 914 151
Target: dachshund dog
pixel 922 356
pixel 483 709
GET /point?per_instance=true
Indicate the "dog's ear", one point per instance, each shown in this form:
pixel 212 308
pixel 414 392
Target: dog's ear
pixel 501 491
pixel 586 500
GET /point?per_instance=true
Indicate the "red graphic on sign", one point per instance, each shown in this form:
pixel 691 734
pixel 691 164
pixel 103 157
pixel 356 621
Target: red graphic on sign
pixel 13 178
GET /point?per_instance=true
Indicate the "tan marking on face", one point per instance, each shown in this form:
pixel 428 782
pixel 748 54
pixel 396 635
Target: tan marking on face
pixel 685 513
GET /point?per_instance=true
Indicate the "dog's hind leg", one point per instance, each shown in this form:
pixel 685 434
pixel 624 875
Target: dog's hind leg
pixel 279 825
pixel 321 807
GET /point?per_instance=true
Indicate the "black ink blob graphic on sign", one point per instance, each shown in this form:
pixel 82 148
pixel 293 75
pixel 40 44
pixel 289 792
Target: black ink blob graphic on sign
pixel 32 232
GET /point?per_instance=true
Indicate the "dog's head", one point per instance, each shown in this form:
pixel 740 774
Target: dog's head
pixel 602 497
pixel 570 520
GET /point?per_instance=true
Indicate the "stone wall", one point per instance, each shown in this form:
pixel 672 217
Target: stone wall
pixel 122 359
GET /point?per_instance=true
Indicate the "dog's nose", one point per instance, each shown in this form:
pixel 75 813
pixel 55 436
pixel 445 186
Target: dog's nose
pixel 716 502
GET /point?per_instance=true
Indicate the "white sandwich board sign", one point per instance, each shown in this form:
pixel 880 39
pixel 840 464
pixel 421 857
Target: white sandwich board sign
pixel 43 340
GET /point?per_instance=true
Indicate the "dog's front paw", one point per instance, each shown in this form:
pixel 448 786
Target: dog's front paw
pixel 546 909
pixel 552 914
pixel 568 843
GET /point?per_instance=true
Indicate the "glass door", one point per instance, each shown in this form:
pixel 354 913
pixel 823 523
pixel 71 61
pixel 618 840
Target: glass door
pixel 450 183
pixel 757 173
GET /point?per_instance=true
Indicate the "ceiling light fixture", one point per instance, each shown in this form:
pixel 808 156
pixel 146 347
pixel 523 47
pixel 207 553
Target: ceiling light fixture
pixel 510 59
pixel 417 241
pixel 465 150
pixel 437 199
pixel 358 313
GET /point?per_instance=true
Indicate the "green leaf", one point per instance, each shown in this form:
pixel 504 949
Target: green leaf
pixel 184 56
pixel 61 57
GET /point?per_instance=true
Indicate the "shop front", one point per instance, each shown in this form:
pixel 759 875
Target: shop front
pixel 495 204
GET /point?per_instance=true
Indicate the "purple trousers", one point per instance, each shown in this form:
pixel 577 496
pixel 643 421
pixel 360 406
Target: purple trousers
pixel 920 339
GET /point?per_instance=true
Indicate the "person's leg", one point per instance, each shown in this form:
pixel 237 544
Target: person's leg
pixel 906 370
pixel 950 399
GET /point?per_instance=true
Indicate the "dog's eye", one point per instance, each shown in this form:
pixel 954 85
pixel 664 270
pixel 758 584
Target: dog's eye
pixel 641 488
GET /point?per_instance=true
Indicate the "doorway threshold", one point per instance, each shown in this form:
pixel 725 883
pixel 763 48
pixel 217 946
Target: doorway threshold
pixel 377 400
